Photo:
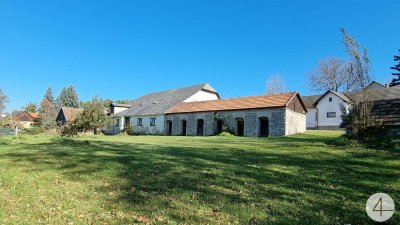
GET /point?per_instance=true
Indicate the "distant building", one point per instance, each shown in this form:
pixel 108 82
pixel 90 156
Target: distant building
pixel 325 111
pixel 66 115
pixel 25 119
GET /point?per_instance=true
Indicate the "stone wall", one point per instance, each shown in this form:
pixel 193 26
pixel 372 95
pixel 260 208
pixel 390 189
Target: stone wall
pixel 276 118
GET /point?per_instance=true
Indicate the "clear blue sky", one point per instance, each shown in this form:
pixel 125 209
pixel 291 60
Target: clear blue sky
pixel 124 49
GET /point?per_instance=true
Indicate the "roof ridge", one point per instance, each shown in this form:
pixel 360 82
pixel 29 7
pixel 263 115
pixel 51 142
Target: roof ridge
pixel 242 97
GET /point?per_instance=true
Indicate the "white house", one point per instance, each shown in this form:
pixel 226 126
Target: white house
pixel 146 114
pixel 325 111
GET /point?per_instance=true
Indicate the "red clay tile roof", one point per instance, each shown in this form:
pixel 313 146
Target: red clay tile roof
pixel 33 115
pixel 253 102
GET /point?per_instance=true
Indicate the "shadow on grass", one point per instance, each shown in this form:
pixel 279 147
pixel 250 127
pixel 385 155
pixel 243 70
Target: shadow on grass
pixel 317 187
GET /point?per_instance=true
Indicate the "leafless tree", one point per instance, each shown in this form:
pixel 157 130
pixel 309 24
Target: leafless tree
pixel 3 100
pixel 359 69
pixel 276 84
pixel 332 74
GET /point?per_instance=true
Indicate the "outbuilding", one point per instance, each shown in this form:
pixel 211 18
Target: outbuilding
pixel 256 116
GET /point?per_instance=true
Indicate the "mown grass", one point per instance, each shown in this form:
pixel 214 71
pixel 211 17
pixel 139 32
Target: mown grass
pixel 192 180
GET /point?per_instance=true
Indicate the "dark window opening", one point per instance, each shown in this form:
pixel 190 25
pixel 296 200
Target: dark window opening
pixel 200 127
pixel 330 99
pixel 331 115
pixel 139 122
pixel 264 127
pixel 127 121
pixel 152 121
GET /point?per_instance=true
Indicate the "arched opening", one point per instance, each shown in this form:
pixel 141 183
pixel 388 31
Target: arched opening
pixel 263 125
pixel 200 127
pixel 239 126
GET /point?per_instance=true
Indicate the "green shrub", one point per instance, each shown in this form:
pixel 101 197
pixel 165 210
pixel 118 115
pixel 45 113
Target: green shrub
pixel 33 131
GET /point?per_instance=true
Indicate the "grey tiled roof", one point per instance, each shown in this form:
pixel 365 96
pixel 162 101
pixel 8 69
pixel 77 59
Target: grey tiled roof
pixel 384 93
pixel 158 103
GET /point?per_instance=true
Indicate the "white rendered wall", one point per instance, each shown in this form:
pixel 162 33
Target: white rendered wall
pixel 311 121
pixel 202 96
pixel 324 106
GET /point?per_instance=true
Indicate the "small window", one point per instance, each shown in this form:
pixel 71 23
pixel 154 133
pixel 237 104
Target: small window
pixel 139 122
pixel 152 121
pixel 330 99
pixel 331 115
pixel 117 122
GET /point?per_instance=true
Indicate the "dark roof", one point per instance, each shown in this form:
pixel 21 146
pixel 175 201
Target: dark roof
pixel 375 85
pixel 121 105
pixel 376 94
pixel 387 112
pixel 70 113
pixel 311 101
pixel 253 102
pixel 160 102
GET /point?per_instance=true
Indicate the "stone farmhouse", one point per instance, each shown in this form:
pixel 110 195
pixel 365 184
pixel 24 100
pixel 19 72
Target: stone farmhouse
pixel 199 111
pixel 325 111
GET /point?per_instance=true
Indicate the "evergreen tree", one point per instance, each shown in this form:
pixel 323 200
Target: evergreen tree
pixel 48 114
pixel 68 98
pixel 31 107
pixel 396 68
pixel 49 95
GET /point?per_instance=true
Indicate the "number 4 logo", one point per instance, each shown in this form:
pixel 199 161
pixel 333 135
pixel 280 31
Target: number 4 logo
pixel 380 207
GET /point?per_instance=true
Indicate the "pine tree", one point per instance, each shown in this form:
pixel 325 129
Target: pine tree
pixel 68 98
pixel 49 95
pixel 48 114
pixel 396 68
pixel 31 107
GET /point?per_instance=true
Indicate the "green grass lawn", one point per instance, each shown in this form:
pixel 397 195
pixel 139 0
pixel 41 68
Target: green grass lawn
pixel 194 180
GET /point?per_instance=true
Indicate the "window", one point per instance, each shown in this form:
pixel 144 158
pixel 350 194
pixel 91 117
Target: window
pixel 139 122
pixel 152 121
pixel 330 99
pixel 117 122
pixel 330 114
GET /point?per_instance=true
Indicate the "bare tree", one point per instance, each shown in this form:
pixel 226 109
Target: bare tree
pixel 359 68
pixel 276 84
pixel 3 100
pixel 331 74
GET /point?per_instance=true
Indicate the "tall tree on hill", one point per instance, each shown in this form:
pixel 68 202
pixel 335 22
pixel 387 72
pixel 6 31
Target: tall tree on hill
pixel 31 107
pixel 68 98
pixel 3 100
pixel 396 80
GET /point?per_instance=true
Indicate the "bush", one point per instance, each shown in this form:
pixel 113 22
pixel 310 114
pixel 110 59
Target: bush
pixel 33 131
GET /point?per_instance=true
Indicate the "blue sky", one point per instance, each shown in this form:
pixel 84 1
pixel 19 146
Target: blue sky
pixel 124 49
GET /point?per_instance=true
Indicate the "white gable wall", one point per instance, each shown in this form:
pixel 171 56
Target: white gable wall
pixel 324 106
pixel 311 118
pixel 202 96
pixel 119 109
